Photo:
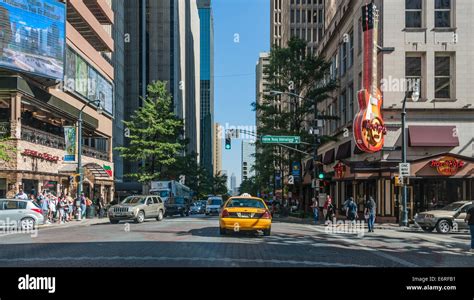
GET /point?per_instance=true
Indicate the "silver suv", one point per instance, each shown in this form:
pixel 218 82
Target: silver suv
pixel 137 208
pixel 445 219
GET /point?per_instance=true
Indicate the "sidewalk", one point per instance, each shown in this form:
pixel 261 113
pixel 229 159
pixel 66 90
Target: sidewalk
pixel 74 223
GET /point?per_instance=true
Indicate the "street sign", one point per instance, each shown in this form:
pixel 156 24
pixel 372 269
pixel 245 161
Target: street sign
pixel 272 139
pixel 315 183
pixel 296 169
pixel 404 169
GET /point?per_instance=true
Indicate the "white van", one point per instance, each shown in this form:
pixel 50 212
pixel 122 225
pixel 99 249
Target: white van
pixel 213 205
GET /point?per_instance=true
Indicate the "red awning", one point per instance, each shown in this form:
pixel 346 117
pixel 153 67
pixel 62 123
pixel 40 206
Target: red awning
pixel 433 136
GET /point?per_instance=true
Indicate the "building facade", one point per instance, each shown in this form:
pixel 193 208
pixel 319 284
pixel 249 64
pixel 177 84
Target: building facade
pixel 162 43
pixel 207 84
pixel 118 61
pixel 35 109
pixel 217 152
pixel 431 42
pixel 233 184
pixel 299 18
pixel 248 160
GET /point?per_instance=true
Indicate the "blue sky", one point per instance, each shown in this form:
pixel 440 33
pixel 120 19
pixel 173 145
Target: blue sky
pixel 234 66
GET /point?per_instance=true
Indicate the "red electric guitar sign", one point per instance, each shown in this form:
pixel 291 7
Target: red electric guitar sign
pixel 369 128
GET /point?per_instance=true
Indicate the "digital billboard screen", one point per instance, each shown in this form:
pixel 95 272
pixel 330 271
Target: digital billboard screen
pixel 32 36
pixel 83 80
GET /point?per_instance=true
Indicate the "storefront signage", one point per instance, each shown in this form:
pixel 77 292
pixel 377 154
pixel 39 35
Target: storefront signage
pixel 447 165
pixel 43 156
pixel 369 127
pixel 340 170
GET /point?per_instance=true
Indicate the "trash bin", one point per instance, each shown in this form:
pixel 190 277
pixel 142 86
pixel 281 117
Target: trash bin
pixel 90 212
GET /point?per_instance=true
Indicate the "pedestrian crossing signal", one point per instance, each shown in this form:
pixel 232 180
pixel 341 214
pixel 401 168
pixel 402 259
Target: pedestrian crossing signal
pixel 398 181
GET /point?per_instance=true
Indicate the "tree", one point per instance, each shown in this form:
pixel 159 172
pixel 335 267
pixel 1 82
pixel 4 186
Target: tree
pixel 155 134
pixel 291 69
pixel 249 186
pixel 219 184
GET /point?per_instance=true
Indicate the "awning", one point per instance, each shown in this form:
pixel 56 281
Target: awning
pixel 344 150
pixel 97 170
pixel 433 136
pixel 328 157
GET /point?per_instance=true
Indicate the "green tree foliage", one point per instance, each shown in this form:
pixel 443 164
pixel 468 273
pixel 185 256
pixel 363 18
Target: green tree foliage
pixel 293 70
pixel 249 186
pixel 154 134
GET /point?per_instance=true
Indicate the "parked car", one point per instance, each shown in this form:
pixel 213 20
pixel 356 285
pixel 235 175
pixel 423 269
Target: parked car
pixel 213 205
pixel 444 219
pixel 137 208
pixel 22 214
pixel 178 206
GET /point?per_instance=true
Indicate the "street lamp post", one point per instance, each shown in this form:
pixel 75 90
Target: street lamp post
pixel 415 95
pixel 79 146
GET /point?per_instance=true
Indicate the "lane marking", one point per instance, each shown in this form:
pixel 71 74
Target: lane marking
pixel 179 259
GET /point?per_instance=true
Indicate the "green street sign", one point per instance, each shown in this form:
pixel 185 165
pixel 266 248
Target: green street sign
pixel 272 139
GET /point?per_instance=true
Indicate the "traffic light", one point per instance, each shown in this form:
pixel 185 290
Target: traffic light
pixel 228 145
pixel 321 175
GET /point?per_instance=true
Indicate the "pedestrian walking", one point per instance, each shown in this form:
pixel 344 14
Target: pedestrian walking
pixel 326 207
pixel 351 210
pixel 470 221
pixel 45 207
pixel 315 207
pixel 370 212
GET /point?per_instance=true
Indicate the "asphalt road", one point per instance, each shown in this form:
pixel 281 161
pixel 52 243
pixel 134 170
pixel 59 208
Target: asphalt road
pixel 195 242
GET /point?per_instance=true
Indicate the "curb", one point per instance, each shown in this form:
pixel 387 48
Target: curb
pixel 75 223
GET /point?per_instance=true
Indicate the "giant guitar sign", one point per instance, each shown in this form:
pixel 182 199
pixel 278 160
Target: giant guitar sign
pixel 369 127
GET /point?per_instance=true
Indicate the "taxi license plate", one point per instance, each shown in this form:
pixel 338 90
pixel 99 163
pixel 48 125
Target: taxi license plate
pixel 245 215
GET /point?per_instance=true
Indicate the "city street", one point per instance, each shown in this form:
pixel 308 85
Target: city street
pixel 195 242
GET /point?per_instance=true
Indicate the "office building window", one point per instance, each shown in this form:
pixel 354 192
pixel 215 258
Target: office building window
pixel 303 16
pixel 292 16
pixel 414 71
pixel 442 76
pixel 351 49
pixel 320 16
pixel 320 33
pixel 342 107
pixel 343 51
pixel 315 35
pixel 309 16
pixel 442 13
pixel 297 16
pixel 315 17
pixel 350 98
pixel 413 13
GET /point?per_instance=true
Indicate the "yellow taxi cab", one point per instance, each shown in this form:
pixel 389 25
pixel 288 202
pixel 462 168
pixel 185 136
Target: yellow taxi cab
pixel 245 213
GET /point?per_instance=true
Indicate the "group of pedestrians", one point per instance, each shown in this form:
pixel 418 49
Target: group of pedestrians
pixel 349 209
pixel 62 209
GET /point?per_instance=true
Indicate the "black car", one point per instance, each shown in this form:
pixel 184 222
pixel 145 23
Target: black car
pixel 178 206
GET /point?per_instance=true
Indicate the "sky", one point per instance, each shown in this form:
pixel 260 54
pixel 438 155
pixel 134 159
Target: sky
pixel 241 32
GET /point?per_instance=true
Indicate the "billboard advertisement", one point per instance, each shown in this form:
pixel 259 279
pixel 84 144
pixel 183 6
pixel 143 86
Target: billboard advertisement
pixel 32 37
pixel 82 79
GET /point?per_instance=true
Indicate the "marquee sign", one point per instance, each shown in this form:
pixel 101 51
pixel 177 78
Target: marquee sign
pixel 369 127
pixel 447 166
pixel 43 156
